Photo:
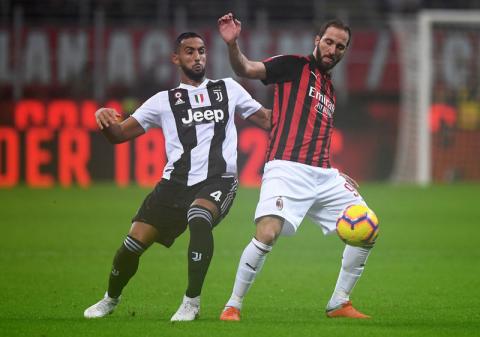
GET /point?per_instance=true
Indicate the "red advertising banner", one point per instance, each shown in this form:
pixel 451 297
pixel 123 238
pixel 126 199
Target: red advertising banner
pixel 57 143
pixel 49 75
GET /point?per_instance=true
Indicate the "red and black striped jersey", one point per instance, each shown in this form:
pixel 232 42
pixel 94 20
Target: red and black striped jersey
pixel 302 117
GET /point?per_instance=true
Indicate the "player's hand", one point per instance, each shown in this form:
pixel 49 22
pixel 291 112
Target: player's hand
pixel 350 180
pixel 106 117
pixel 229 28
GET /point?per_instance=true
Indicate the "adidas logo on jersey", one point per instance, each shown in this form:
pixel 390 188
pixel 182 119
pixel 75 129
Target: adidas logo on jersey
pixel 203 116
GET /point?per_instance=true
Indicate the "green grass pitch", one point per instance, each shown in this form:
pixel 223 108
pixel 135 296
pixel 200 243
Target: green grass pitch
pixel 422 279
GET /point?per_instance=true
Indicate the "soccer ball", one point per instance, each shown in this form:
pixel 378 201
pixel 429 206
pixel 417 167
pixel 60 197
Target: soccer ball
pixel 357 226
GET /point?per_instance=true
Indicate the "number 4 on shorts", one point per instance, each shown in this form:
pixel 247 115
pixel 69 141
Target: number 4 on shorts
pixel 216 195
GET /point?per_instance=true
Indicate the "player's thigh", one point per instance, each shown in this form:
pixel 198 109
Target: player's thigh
pixel 217 194
pixel 164 209
pixel 287 193
pixel 332 201
pixel 143 232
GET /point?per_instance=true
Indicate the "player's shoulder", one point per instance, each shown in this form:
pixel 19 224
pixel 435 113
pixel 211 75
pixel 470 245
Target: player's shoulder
pixel 160 94
pixel 287 58
pixel 157 100
pixel 229 82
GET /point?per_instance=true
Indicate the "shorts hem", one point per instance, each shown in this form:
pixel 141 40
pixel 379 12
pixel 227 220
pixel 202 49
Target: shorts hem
pixel 287 222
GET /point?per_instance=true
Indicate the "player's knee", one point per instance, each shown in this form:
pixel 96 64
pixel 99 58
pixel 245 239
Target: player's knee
pixel 131 246
pixel 267 234
pixel 210 206
pixel 268 229
pixel 266 237
pixel 199 219
pixel 143 233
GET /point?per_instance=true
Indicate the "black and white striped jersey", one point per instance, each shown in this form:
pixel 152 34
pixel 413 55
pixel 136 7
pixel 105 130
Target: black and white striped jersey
pixel 198 125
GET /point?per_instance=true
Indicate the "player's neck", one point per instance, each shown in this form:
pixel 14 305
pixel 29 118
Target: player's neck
pixel 195 83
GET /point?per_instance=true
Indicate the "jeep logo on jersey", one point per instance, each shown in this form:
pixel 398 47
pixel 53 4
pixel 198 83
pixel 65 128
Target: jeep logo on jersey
pixel 203 116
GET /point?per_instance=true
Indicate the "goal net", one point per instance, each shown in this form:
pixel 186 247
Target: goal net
pixel 439 126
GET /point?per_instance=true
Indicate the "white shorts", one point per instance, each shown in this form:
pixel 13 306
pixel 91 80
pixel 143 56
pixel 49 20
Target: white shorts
pixel 292 191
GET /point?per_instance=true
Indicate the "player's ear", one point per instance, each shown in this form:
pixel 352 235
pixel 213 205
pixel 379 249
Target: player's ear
pixel 174 58
pixel 317 39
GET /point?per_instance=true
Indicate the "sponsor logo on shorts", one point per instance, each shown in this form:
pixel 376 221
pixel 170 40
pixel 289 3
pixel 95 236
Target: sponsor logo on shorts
pixel 279 203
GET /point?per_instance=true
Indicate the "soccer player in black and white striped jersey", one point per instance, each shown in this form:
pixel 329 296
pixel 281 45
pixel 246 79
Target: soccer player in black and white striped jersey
pixel 199 180
pixel 298 180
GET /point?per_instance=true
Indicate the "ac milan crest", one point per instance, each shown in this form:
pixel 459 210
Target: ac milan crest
pixel 279 203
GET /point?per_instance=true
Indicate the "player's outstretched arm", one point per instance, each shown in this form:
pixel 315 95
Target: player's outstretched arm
pixel 229 28
pixel 114 130
pixel 262 118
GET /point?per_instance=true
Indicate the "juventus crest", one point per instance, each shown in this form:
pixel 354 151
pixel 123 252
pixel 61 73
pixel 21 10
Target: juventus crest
pixel 218 94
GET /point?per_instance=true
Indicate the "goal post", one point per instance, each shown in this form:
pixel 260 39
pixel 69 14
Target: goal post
pixel 439 125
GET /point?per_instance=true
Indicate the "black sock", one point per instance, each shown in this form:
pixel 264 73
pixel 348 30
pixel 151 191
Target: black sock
pixel 125 265
pixel 200 249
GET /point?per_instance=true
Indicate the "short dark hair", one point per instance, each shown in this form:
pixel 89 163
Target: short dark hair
pixel 337 23
pixel 184 36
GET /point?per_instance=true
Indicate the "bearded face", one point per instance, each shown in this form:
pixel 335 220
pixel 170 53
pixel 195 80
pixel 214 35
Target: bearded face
pixel 191 57
pixel 195 73
pixel 325 62
pixel 330 48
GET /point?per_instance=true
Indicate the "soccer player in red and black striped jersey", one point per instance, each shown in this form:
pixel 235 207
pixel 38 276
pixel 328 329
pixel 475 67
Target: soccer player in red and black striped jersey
pixel 298 179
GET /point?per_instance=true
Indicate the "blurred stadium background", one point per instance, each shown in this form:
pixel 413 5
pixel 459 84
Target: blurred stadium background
pixel 408 115
pixel 404 114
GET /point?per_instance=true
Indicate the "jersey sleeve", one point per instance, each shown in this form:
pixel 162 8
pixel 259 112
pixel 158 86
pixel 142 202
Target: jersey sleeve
pixel 245 105
pixel 148 114
pixel 282 68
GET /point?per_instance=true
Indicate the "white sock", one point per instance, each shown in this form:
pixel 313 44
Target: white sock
pixel 353 263
pixel 250 265
pixel 194 301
